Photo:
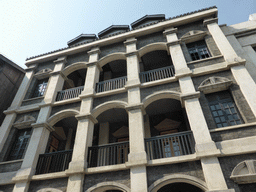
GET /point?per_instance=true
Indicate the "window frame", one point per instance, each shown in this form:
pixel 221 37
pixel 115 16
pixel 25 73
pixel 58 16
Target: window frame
pixel 36 91
pixel 198 50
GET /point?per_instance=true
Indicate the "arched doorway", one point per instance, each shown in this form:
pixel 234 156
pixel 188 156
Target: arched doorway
pixel 180 187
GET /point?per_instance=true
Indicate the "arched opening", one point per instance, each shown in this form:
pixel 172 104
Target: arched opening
pixel 180 187
pixel 112 76
pixel 113 191
pixel 156 65
pixel 110 139
pixel 73 85
pixel 167 130
pixel 59 148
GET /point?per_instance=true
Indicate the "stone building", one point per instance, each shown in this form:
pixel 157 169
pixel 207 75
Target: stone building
pixel 160 105
pixel 11 76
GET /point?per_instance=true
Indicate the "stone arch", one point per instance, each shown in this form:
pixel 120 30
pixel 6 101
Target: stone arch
pixel 111 57
pixel 61 115
pixel 161 95
pixel 152 47
pixel 108 105
pixel 75 66
pixel 193 35
pixel 49 190
pixel 108 186
pixel 177 178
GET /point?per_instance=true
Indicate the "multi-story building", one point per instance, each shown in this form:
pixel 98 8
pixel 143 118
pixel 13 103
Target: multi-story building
pixel 160 105
pixel 11 76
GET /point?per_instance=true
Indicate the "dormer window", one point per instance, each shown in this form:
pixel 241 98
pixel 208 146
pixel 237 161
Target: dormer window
pixel 198 50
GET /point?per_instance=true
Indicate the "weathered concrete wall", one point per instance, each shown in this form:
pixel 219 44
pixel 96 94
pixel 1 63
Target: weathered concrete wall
pixel 228 164
pixel 79 57
pixel 114 48
pixel 122 177
pixel 190 168
pixel 116 97
pixel 60 184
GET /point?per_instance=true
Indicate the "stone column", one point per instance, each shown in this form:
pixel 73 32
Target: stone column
pixel 85 126
pixel 10 113
pixel 137 158
pixel 240 73
pixel 205 147
pixel 56 81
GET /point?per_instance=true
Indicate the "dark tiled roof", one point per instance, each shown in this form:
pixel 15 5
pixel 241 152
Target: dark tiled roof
pixel 182 15
pixel 148 17
pixel 87 36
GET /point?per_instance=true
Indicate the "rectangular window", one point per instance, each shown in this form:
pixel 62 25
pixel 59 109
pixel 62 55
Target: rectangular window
pixel 224 110
pixel 40 88
pixel 198 50
pixel 20 144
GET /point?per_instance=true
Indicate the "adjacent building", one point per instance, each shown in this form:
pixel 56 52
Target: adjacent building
pixel 159 105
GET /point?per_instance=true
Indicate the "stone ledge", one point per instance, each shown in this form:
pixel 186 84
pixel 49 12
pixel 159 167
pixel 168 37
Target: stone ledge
pixel 225 190
pixel 172 160
pixel 232 127
pixel 172 43
pixel 107 168
pixel 170 31
pixel 86 116
pixel 49 176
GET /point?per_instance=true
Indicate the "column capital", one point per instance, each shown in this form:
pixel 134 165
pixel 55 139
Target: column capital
pixel 135 107
pixel 31 67
pixel 188 96
pixel 87 116
pixel 177 42
pixel 210 21
pixel 170 31
pixel 130 41
pixel 95 50
pixel 45 125
pixel 61 60
pixel 132 53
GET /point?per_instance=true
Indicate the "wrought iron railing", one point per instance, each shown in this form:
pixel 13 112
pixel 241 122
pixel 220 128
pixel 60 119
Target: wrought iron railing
pixel 53 162
pixel 157 74
pixel 170 145
pixel 110 154
pixel 111 84
pixel 69 93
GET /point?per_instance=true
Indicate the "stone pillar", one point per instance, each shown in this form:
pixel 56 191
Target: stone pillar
pixel 205 147
pixel 104 133
pixel 85 126
pixel 10 113
pixel 56 81
pixel 137 158
pixel 36 146
pixel 240 73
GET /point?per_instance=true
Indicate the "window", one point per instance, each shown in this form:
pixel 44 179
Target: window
pixel 224 110
pixel 198 50
pixel 40 88
pixel 20 145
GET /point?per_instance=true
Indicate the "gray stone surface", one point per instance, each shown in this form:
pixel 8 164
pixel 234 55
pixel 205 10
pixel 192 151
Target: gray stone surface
pixel 45 65
pixel 203 63
pixel 32 101
pixel 75 106
pixel 190 168
pixel 79 57
pixel 150 38
pixel 228 164
pixel 10 167
pixel 183 29
pixel 60 184
pixel 114 48
pixel 122 177
pixel 6 188
pixel 116 97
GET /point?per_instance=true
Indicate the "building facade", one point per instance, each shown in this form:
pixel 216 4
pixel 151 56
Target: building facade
pixel 11 76
pixel 160 105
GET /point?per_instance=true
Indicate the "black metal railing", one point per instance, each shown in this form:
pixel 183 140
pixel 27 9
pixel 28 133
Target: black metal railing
pixel 170 145
pixel 53 162
pixel 69 93
pixel 110 154
pixel 157 74
pixel 111 84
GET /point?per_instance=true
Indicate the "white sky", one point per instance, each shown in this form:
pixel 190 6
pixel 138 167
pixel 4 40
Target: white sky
pixel 32 27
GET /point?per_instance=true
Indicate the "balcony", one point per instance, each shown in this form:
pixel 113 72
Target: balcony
pixel 170 145
pixel 157 74
pixel 69 93
pixel 53 162
pixel 110 154
pixel 111 84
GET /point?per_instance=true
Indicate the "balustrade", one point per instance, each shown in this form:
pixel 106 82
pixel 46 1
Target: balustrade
pixel 110 154
pixel 157 74
pixel 53 162
pixel 69 93
pixel 170 145
pixel 111 84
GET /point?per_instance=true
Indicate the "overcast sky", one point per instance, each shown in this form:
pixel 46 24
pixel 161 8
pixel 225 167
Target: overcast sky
pixel 32 27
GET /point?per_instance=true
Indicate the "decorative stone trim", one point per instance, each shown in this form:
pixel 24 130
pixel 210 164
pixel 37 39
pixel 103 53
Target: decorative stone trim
pixel 215 84
pixel 132 83
pixel 244 172
pixel 132 53
pixel 45 125
pixel 188 96
pixel 194 35
pixel 49 190
pixel 24 122
pixel 61 60
pixel 87 116
pixel 94 63
pixel 170 31
pixel 42 74
pixel 130 41
pixel 177 42
pixel 109 185
pixel 183 73
pixel 210 21
pixel 135 107
pixel 94 51
pixel 237 61
pixel 31 67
